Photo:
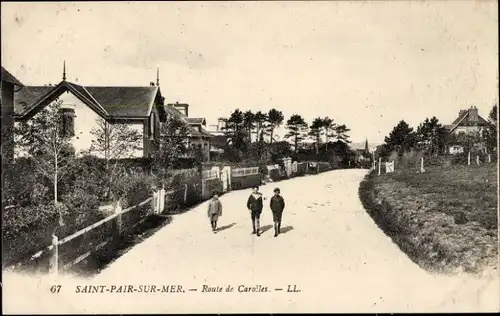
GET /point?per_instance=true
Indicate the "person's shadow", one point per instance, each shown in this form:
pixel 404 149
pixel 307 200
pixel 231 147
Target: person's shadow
pixel 264 229
pixel 286 229
pixel 225 227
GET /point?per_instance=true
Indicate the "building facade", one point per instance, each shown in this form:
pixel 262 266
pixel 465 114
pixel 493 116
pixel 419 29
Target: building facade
pixel 468 123
pixel 141 108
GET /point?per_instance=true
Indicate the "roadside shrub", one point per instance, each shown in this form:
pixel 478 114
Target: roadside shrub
pixel 137 189
pixel 211 186
pixel 83 209
pixel 28 229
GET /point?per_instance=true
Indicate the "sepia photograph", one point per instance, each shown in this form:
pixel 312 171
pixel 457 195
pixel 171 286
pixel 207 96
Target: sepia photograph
pixel 250 157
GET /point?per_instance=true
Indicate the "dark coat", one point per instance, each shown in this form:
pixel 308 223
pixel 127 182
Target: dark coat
pixel 277 204
pixel 255 204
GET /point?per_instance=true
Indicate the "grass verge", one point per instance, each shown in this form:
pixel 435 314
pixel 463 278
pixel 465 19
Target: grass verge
pixel 445 220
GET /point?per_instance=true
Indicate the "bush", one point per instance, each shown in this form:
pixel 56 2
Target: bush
pixel 134 189
pixel 28 229
pixel 211 186
pixel 83 209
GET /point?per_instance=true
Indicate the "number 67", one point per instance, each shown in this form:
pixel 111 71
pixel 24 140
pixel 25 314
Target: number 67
pixel 55 288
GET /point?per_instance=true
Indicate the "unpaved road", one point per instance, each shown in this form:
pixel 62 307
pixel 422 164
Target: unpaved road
pixel 332 251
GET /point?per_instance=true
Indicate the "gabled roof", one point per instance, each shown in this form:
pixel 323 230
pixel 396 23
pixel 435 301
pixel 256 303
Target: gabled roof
pixel 125 101
pixel 193 132
pixel 109 102
pixel 8 77
pixel 464 119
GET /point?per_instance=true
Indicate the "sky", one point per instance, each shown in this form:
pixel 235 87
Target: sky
pixel 366 64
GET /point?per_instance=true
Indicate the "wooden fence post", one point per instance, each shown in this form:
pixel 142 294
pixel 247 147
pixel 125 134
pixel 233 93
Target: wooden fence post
pixel 54 260
pixel 202 189
pixel 317 167
pixel 118 220
pixel 379 164
pixel 422 165
pixel 489 158
pixel 162 199
pixel 468 159
pixel 185 193
pixel 477 160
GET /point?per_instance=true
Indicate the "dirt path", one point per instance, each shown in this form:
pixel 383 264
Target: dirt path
pixel 331 250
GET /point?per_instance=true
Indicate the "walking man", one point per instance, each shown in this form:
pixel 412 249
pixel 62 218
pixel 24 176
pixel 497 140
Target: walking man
pixel 277 206
pixel 214 211
pixel 254 205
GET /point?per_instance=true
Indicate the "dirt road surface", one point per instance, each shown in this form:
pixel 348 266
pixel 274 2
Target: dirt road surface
pixel 331 254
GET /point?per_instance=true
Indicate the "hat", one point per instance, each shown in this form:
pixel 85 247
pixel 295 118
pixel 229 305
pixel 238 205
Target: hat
pixel 276 190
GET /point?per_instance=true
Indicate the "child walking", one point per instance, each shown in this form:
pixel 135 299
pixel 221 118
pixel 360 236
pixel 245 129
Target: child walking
pixel 214 211
pixel 254 205
pixel 277 206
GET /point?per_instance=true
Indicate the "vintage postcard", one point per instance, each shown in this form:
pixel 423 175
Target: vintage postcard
pixel 249 157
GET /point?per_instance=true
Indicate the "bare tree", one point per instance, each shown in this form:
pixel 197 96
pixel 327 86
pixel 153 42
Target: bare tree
pixel 113 142
pixel 46 138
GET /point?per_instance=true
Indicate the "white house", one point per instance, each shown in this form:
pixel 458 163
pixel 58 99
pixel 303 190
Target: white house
pixel 467 122
pixel 140 107
pixel 198 137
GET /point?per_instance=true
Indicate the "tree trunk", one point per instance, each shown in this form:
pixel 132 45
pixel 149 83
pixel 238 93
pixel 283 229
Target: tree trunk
pixel 272 132
pixel 296 143
pixel 55 181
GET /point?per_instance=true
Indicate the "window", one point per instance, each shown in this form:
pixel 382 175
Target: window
pixel 67 122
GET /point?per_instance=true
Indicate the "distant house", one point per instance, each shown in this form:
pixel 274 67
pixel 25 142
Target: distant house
pixel 9 87
pixel 467 122
pixel 219 139
pixel 140 107
pixel 198 137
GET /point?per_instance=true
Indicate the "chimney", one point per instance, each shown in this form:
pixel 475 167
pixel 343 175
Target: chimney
pixel 461 113
pixel 473 114
pixel 182 107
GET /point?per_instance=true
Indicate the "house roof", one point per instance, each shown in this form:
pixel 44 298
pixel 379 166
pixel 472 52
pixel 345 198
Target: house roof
pixel 194 132
pixel 464 119
pixel 108 101
pixel 196 120
pixel 8 77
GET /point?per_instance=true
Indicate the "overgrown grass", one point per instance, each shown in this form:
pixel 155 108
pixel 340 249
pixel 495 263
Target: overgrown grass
pixel 445 219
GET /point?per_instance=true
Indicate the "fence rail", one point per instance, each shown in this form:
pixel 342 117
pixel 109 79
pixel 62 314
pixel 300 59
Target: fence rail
pixel 56 242
pixel 210 174
pixel 241 172
pixel 95 236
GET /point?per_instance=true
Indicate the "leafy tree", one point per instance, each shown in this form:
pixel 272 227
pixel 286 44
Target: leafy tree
pixel 235 129
pixel 316 131
pixel 470 141
pixel 279 150
pixel 329 127
pixel 172 144
pixel 113 142
pixel 490 133
pixel 432 136
pixel 341 133
pixel 249 124
pixel 297 128
pixel 261 120
pixel 275 118
pixel 44 139
pixel 402 138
